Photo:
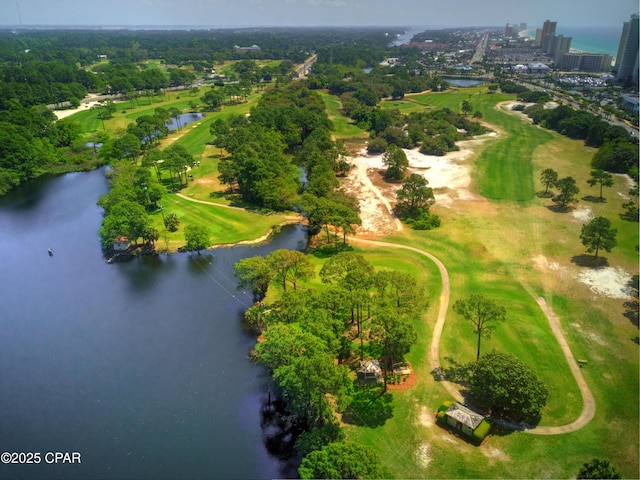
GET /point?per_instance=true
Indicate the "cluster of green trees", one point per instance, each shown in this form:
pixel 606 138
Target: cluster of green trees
pixel 33 142
pixel 133 192
pixel 309 338
pixel 617 150
pixel 435 132
pixel 288 133
pixel 136 189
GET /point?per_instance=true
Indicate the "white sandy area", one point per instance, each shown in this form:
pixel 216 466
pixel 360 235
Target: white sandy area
pixel 582 214
pixel 611 282
pixel 423 456
pixel 449 176
pixel 70 111
pixel 89 101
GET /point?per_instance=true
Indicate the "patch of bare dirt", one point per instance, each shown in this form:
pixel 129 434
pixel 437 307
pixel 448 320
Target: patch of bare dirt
pixel 425 417
pixel 423 455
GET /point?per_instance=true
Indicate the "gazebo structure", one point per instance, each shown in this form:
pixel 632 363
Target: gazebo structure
pixel 369 372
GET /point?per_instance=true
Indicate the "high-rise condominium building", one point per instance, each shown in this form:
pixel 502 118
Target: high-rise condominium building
pixel 627 58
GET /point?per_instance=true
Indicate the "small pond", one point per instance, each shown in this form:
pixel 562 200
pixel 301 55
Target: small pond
pixel 464 82
pixel 184 119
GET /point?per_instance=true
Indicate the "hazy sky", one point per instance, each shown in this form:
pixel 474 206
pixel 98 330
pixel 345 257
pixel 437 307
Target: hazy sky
pixel 315 12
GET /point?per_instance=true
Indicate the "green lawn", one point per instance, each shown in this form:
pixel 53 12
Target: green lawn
pixel 343 127
pixel 225 225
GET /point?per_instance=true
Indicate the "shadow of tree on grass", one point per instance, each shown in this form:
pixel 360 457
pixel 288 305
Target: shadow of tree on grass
pixel 559 208
pixel 542 194
pixel 590 261
pixel 369 407
pixel 591 198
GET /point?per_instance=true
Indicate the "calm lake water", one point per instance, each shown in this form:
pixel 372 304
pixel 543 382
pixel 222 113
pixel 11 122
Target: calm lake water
pixel 140 367
pixel 464 82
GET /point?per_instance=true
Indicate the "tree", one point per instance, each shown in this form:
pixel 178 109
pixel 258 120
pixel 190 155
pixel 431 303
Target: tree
pixel 631 207
pixel 393 336
pixel 290 265
pixel 342 460
pixel 598 234
pixel 466 107
pixel 483 313
pixel 197 238
pixel 303 369
pixel 171 222
pixel 396 162
pixel 605 179
pixel 548 177
pixel 212 99
pixel 505 387
pixel 354 274
pixel 415 193
pixel 256 274
pixel 568 191
pixel 597 468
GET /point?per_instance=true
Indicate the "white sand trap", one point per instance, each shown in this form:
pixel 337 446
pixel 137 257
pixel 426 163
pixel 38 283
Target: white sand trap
pixel 422 455
pixel 583 214
pixel 449 176
pixel 611 282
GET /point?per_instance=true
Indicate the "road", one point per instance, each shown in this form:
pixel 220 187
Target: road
pixel 303 69
pixel 558 96
pixel 480 48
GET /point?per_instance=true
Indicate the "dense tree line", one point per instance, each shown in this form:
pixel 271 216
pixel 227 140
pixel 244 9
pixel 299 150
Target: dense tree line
pixel 310 338
pixel 33 142
pixel 288 130
pixel 617 150
pixel 186 48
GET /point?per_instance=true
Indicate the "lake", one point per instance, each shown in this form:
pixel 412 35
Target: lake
pixel 140 367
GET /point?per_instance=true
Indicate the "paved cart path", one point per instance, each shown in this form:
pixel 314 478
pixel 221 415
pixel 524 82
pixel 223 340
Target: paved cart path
pixel 589 406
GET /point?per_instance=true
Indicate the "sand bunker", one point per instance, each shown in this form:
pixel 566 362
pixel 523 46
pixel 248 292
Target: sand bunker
pixel 449 176
pixel 611 282
pixel 583 214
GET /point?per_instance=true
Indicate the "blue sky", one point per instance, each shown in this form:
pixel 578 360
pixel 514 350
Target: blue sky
pixel 315 12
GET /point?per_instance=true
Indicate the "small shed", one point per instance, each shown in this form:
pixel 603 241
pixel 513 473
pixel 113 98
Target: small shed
pixel 463 419
pixel 369 372
pixel 120 244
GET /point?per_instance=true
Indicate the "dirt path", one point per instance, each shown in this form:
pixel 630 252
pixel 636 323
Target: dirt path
pixel 588 408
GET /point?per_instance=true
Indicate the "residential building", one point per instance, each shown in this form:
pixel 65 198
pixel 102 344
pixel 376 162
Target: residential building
pixel 630 102
pixel 558 45
pixel 584 62
pixel 627 58
pixel 547 34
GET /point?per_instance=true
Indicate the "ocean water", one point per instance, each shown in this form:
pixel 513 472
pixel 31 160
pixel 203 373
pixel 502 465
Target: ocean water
pixel 595 39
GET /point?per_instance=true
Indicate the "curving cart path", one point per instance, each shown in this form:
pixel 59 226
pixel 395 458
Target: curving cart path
pixel 589 406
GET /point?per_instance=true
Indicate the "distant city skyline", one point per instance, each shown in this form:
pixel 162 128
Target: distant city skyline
pixel 129 13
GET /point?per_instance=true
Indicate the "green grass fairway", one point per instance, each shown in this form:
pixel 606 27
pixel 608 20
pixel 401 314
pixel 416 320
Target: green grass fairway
pixel 342 126
pixel 226 226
